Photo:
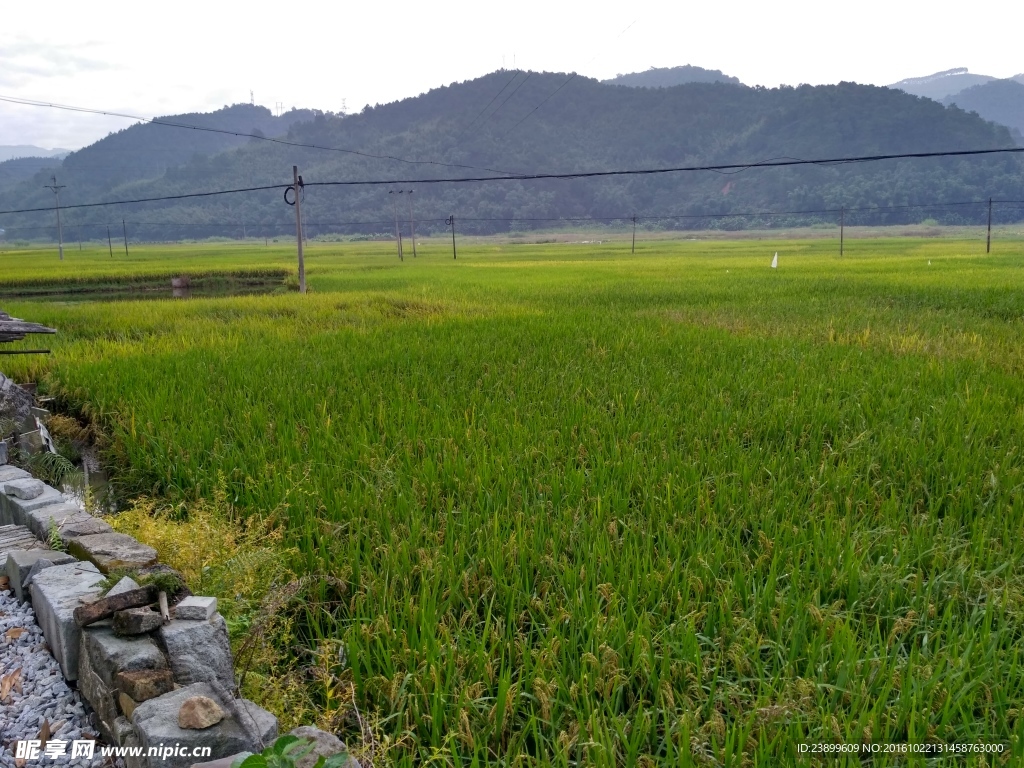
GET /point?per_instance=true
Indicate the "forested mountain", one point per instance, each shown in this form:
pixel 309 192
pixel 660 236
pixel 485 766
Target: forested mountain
pixel 1001 101
pixel 666 77
pixel 523 122
pixel 22 168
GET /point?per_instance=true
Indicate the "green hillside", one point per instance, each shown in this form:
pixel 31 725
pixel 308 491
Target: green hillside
pixel 511 121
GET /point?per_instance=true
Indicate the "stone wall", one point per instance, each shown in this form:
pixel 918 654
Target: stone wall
pixel 150 679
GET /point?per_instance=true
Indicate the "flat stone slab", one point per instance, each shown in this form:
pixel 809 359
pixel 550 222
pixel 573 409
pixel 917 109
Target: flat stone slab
pixel 16 511
pixel 156 723
pixel 26 488
pixel 199 651
pixel 112 550
pixel 195 608
pixel 22 565
pixel 56 592
pixel 16 538
pixel 12 473
pixel 70 521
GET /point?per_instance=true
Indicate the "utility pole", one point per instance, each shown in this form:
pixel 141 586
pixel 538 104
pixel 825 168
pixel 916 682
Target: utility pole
pixel 124 229
pixel 450 221
pixel 398 234
pixel 412 226
pixel 634 235
pixel 56 188
pixel 842 227
pixel 110 245
pixel 988 240
pixel 296 189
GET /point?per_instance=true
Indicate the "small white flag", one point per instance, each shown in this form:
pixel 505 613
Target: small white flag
pixel 775 261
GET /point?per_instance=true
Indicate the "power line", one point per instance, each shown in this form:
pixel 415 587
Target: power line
pixel 576 175
pixel 494 99
pixel 159 121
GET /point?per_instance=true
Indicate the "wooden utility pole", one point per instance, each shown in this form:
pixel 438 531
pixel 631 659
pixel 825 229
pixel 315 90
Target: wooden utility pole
pixel 56 188
pixel 633 250
pixel 988 240
pixel 124 229
pixel 297 188
pixel 842 228
pixel 398 234
pixel 110 245
pixel 450 221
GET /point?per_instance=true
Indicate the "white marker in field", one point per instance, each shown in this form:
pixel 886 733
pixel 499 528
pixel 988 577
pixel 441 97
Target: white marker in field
pixel 775 261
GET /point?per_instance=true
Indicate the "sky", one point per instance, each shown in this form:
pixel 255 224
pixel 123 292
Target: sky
pixel 152 59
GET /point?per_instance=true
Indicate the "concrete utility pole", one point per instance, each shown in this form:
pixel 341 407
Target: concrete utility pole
pixel 56 188
pixel 988 238
pixel 297 187
pixel 398 233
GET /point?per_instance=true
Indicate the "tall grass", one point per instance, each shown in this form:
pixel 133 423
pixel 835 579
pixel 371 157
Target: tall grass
pixel 597 509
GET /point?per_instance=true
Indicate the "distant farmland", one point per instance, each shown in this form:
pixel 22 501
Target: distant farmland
pixel 580 507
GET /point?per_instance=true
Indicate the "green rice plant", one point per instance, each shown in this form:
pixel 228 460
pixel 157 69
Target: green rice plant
pixel 564 505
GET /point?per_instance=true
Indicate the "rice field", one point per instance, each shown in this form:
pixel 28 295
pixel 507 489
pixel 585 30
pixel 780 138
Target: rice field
pixel 594 508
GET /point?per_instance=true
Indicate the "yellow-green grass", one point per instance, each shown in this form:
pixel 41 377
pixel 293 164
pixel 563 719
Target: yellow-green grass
pixel 601 509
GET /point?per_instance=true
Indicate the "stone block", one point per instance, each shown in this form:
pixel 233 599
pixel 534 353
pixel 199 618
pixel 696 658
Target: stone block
pixel 127 703
pixel 5 452
pixel 136 621
pixel 156 722
pixel 145 684
pixel 112 550
pixel 56 592
pixel 27 488
pixel 9 472
pixel 101 657
pixel 17 511
pixel 194 608
pixel 23 564
pixel 69 520
pixel 199 651
pixel 324 745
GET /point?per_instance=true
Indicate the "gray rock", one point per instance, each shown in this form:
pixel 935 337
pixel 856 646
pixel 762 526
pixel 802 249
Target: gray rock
pixel 69 520
pixel 324 745
pixel 156 722
pixel 194 608
pixel 199 651
pixel 136 621
pixel 56 592
pixel 26 488
pixel 15 403
pixel 4 452
pixel 126 584
pixel 22 565
pixel 112 550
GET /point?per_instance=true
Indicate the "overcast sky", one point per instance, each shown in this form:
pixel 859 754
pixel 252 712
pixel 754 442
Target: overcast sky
pixel 188 56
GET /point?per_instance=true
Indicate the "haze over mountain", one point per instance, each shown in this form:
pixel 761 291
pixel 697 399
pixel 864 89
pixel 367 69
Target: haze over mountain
pixel 12 151
pixel 1001 101
pixel 666 77
pixel 526 122
pixel 941 85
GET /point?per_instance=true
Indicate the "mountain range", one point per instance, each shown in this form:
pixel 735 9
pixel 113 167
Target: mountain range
pixel 526 122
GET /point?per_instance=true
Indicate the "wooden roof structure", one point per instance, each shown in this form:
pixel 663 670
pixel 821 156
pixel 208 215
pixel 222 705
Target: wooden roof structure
pixel 15 329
